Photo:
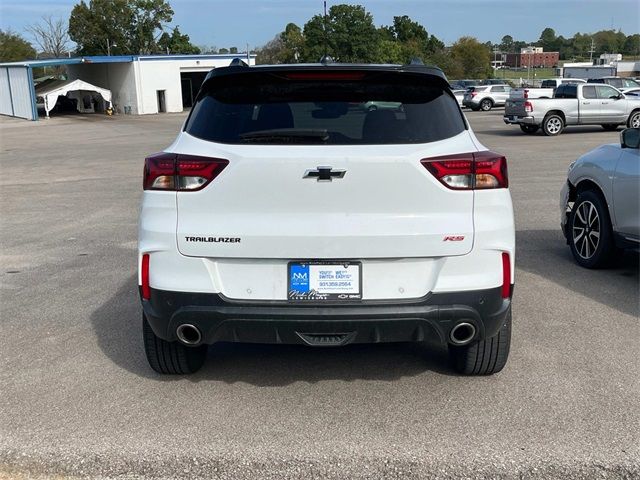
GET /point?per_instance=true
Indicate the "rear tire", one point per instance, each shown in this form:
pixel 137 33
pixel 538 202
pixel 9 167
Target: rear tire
pixel 589 231
pixel 529 129
pixel 484 357
pixel 634 119
pixel 552 125
pixel 171 358
pixel 610 127
pixel 485 105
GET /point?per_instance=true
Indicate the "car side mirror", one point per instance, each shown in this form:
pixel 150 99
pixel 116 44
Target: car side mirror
pixel 630 138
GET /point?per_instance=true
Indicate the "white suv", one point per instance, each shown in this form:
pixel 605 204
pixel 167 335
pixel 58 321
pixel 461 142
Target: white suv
pixel 284 212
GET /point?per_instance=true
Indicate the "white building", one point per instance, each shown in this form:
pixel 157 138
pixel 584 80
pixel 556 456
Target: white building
pixel 139 84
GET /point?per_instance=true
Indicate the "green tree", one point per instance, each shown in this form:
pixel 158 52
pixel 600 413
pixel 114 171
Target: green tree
pixel 506 44
pixel 14 48
pixel 347 34
pixel 412 37
pixel 474 57
pixel 632 45
pixel 292 43
pixel 451 66
pixel 176 43
pixel 548 39
pixel 133 25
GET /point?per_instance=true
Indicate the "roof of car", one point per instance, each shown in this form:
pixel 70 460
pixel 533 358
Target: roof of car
pixel 241 67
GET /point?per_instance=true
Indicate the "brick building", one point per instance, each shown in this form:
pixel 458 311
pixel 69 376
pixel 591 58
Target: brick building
pixel 532 57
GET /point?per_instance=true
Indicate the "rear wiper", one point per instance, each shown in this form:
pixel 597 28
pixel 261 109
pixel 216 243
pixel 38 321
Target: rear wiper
pixel 284 134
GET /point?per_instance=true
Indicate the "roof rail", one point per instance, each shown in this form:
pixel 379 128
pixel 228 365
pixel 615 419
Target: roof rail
pixel 238 62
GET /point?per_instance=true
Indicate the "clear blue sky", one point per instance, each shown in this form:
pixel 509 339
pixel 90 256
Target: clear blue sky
pixel 225 23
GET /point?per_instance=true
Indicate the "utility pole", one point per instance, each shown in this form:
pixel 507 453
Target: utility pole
pixel 591 50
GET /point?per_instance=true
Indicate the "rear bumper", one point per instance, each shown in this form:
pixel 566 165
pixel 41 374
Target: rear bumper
pixel 223 320
pixel 514 119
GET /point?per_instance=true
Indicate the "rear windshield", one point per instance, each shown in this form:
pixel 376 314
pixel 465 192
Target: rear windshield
pixel 548 84
pixel 272 110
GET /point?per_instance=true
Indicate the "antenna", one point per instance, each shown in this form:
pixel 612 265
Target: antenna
pixel 324 29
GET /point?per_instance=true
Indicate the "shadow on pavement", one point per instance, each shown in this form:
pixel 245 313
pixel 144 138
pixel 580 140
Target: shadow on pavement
pixel 117 325
pixel 514 131
pixel 545 253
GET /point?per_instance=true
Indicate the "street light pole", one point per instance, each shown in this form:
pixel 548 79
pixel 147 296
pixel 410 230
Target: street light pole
pixel 109 45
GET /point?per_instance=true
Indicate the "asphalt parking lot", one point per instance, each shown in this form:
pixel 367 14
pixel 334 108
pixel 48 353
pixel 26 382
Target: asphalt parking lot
pixel 78 398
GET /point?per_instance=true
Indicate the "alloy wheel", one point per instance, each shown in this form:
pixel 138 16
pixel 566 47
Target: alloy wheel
pixel 586 230
pixel 635 121
pixel 554 125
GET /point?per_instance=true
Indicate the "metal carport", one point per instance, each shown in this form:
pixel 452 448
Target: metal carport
pixel 17 90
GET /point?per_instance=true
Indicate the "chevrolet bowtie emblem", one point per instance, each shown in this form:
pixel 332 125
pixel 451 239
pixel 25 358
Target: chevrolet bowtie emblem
pixel 325 174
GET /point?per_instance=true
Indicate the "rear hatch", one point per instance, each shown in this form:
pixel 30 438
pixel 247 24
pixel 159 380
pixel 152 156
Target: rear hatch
pixel 325 165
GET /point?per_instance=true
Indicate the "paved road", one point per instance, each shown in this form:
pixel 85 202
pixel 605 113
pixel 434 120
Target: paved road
pixel 77 397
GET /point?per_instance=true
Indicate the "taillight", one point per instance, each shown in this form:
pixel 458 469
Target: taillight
pixel 144 277
pixel 177 172
pixel 506 275
pixel 525 95
pixel 469 171
pixel 473 94
pixel 528 107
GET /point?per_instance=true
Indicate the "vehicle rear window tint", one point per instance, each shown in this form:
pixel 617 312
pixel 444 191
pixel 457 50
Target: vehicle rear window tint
pixel 567 91
pixel 325 112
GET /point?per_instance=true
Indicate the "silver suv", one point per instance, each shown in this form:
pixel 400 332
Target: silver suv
pixel 600 202
pixel 485 97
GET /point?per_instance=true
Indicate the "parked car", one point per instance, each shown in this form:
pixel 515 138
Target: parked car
pixel 493 81
pixel 581 104
pixel 459 94
pixel 617 82
pixel 600 202
pixel 463 84
pixel 270 220
pixel 631 92
pixel 372 106
pixel 486 97
pixel 546 90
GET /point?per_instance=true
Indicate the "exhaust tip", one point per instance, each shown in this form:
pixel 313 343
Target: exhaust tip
pixel 462 333
pixel 188 334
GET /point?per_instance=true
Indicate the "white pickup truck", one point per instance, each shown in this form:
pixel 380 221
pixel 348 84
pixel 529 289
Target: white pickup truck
pixel 546 88
pixel 577 104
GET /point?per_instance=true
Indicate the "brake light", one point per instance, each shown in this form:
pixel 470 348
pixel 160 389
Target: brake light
pixel 528 107
pixel 525 95
pixel 144 277
pixel 506 275
pixel 176 172
pixel 469 171
pixel 343 76
pixel 473 94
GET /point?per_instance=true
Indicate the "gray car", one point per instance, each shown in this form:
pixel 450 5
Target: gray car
pixel 485 97
pixel 600 202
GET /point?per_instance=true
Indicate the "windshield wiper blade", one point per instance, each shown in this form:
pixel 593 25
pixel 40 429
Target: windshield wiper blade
pixel 287 134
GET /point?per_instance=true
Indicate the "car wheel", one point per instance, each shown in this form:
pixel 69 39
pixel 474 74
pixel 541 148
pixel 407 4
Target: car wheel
pixel 590 234
pixel 171 357
pixel 634 120
pixel 610 127
pixel 553 125
pixel 486 104
pixel 529 129
pixel 372 108
pixel 484 357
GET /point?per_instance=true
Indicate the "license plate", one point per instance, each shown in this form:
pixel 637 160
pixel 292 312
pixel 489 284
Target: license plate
pixel 321 281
